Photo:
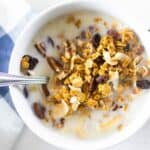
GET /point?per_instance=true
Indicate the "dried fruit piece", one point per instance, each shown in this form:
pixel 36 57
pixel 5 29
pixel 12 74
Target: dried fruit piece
pixel 96 40
pixel 101 79
pixel 40 47
pixel 92 85
pixel 25 92
pixel 54 64
pixel 140 50
pixel 45 90
pixel 127 47
pixel 50 40
pixel 143 84
pixel 99 60
pixel 28 63
pixel 114 34
pixel 115 107
pixel 39 110
pixel 77 23
pixel 33 62
pixel 92 29
pixel 83 35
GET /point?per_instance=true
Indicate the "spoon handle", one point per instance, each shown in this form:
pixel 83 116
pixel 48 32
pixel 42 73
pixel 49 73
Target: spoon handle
pixel 7 80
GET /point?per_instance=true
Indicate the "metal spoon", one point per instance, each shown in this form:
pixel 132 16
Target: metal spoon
pixel 7 80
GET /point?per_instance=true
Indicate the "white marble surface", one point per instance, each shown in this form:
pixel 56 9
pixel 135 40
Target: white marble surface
pixel 141 140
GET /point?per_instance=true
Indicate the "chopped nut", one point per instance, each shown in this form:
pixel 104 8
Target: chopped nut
pixel 78 23
pixel 40 47
pixel 39 110
pixel 45 90
pixel 54 64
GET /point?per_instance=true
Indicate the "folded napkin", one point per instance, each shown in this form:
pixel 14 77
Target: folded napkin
pixel 14 14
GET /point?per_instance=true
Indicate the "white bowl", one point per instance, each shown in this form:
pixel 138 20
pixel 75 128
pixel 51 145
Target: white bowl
pixel 140 111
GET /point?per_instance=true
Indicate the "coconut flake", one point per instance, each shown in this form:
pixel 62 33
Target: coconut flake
pixel 75 103
pixel 60 110
pixel 108 59
pixel 74 88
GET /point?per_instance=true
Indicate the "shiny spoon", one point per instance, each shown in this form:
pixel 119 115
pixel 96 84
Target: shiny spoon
pixel 7 80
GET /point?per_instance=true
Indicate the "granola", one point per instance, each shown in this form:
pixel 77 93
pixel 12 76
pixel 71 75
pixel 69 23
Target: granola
pixel 92 71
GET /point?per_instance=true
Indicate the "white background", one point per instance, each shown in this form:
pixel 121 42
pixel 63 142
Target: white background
pixel 139 141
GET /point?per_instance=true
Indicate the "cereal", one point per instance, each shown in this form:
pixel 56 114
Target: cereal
pixel 92 71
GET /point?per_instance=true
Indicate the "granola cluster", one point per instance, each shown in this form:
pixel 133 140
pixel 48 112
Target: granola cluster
pixel 93 71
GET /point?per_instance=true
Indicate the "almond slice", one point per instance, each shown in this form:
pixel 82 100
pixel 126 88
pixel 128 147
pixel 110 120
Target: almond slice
pixel 108 59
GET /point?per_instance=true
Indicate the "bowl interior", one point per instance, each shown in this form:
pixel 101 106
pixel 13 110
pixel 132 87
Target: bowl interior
pixel 140 107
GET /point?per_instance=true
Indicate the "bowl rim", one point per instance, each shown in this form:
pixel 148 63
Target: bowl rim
pixel 63 144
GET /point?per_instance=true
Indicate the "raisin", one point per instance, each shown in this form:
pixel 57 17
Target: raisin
pixel 25 92
pixel 39 110
pixel 96 40
pixel 114 34
pixel 143 84
pixel 83 35
pixel 33 62
pixel 58 47
pixel 101 79
pixel 50 40
pixel 28 73
pixel 140 50
pixel 93 85
pixel 127 47
pixel 115 107
pixel 99 60
pixel 92 29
